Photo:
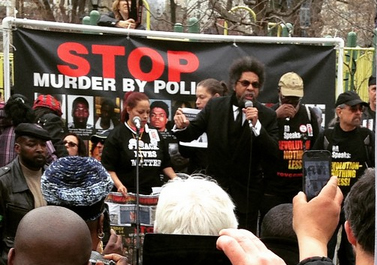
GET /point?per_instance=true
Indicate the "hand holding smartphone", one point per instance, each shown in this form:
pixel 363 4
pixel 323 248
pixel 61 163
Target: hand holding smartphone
pixel 316 171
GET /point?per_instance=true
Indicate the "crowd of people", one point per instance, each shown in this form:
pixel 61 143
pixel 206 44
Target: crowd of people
pixel 249 156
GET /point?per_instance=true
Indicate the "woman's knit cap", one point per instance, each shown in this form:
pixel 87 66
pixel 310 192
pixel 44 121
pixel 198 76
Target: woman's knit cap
pixel 78 183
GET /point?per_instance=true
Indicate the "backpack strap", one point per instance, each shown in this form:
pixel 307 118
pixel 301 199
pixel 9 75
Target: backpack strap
pixel 327 137
pixel 368 147
pixel 308 112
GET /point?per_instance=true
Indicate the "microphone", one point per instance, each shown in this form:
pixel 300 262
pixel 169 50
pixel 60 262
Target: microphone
pixel 249 104
pixel 137 121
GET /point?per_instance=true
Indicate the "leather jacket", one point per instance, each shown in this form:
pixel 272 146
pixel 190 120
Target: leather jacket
pixel 15 201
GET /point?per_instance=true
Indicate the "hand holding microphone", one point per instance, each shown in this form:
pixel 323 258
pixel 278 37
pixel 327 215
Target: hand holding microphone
pixel 253 114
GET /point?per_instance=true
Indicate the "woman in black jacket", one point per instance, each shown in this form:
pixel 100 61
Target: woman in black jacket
pixel 124 15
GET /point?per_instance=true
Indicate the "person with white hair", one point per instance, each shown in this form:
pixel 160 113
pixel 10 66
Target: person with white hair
pixel 196 205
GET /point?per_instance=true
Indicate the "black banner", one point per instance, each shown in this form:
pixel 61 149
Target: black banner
pixel 98 67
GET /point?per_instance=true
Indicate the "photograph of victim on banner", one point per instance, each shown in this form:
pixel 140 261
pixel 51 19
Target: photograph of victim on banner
pixel 84 70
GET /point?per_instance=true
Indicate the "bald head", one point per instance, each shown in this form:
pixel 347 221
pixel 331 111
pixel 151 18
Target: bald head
pixel 51 235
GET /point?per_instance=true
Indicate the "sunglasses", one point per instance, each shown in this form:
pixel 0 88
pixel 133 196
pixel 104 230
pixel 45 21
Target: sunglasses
pixel 102 141
pixel 70 144
pixel 246 83
pixel 294 101
pixel 355 108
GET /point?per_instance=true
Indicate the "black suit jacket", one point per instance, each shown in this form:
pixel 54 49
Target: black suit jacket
pixel 239 172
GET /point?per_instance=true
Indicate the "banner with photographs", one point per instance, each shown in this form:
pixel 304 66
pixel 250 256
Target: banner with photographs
pixel 90 73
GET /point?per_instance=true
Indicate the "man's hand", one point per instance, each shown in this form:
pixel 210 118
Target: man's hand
pixel 243 248
pixel 119 259
pixel 114 245
pixel 180 119
pixel 251 114
pixel 285 111
pixel 315 221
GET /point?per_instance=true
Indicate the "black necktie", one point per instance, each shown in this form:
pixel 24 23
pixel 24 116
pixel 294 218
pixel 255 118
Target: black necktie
pixel 238 120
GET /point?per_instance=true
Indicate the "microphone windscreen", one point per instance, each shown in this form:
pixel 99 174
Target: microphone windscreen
pixel 137 121
pixel 248 104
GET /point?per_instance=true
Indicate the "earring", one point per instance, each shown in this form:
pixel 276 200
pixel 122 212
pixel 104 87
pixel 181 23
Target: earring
pixel 101 235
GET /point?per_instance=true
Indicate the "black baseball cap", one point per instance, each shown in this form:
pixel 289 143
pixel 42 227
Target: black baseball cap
pixel 349 98
pixel 95 138
pixel 372 80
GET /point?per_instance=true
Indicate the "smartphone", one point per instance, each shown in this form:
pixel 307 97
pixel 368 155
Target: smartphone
pixel 316 171
pixel 95 256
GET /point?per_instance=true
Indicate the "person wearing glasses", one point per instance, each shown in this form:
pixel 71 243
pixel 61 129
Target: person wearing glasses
pixel 239 146
pixel 75 145
pixel 352 151
pixel 298 130
pixel 98 142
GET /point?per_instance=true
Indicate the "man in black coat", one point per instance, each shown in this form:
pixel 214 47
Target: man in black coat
pixel 239 147
pixel 20 182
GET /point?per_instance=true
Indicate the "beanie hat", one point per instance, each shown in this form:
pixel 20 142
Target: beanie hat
pixel 78 183
pixel 48 101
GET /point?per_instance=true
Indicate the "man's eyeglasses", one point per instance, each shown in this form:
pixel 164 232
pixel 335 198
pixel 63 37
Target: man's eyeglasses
pixel 355 108
pixel 246 83
pixel 294 101
pixel 70 144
